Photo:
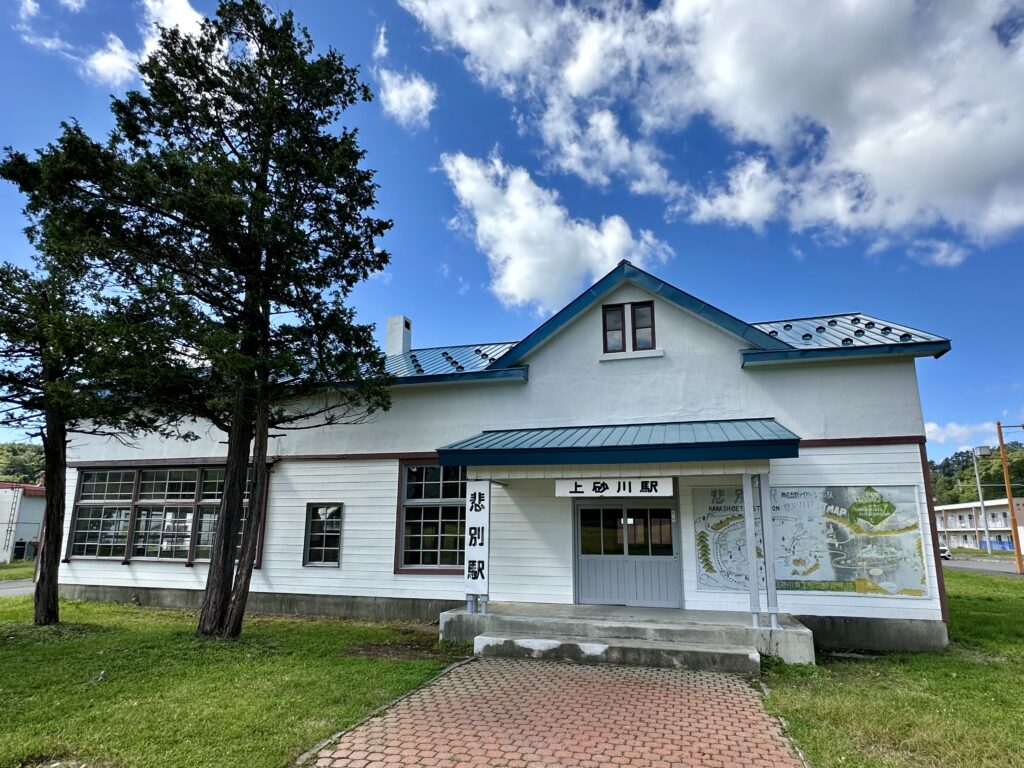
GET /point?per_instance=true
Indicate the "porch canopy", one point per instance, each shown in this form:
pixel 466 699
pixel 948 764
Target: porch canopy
pixel 730 440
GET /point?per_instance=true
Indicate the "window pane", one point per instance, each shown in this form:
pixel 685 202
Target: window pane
pixel 613 319
pixel 433 535
pixel 613 341
pixel 590 532
pixel 636 520
pixel 661 532
pixel 644 338
pixel 107 486
pixel 642 317
pixel 613 539
pixel 100 531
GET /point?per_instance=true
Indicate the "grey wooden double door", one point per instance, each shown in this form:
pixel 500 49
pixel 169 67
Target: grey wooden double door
pixel 627 556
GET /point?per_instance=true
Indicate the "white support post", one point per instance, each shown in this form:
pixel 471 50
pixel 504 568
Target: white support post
pixel 750 523
pixel 768 536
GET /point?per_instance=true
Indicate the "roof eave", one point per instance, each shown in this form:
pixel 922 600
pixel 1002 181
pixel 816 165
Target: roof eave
pixel 731 451
pixel 761 357
pixel 507 375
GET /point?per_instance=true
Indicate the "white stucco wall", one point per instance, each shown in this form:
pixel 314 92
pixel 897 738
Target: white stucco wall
pixel 699 377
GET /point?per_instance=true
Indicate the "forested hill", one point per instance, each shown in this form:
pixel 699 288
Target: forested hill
pixel 953 478
pixel 21 462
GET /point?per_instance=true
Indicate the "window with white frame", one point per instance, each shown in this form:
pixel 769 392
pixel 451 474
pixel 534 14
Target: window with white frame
pixel 433 510
pixel 149 513
pixel 323 534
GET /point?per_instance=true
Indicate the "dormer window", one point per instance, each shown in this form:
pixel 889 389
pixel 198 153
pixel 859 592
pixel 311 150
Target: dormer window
pixel 628 327
pixel 614 328
pixel 643 325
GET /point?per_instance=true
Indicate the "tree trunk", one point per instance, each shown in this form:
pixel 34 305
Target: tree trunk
pixel 55 437
pixel 220 577
pixel 257 509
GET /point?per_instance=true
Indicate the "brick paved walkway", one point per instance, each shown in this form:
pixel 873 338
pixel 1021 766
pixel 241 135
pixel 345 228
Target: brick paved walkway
pixel 498 712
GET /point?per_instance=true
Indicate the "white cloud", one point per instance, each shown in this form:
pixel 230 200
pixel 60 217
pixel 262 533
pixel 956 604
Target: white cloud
pixel 751 196
pixel 983 433
pixel 27 10
pixel 380 48
pixel 112 65
pixel 537 252
pixel 877 118
pixel 938 253
pixel 409 99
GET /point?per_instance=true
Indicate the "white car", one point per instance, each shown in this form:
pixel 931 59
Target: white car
pixel 945 554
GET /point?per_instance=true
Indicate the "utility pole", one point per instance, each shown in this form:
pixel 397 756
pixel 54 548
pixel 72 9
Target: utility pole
pixel 982 450
pixel 1009 499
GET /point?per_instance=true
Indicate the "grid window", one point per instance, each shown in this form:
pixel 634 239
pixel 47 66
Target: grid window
pixel 107 486
pixel 613 320
pixel 433 516
pixel 207 524
pixel 100 531
pixel 168 484
pixel 170 512
pixel 643 325
pixel 323 538
pixel 162 532
pixel 213 484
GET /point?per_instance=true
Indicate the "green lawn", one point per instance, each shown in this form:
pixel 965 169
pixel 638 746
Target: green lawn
pixel 124 686
pixel 962 708
pixel 19 569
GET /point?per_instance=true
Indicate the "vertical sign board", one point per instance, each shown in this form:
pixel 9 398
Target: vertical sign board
pixel 478 536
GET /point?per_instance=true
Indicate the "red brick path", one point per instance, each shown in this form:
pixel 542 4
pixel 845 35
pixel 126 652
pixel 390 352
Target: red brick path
pixel 498 712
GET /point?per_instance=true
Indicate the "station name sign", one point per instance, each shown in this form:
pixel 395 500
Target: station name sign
pixel 613 487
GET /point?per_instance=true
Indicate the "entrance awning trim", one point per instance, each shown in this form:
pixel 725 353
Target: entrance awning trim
pixel 723 440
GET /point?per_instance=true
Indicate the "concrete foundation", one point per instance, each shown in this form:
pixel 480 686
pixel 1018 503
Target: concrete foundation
pixel 859 633
pixel 288 604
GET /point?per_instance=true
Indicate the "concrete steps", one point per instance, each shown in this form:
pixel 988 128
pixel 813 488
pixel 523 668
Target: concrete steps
pixel 679 631
pixel 602 649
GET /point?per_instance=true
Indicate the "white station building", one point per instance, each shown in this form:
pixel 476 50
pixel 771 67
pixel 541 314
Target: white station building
pixel 612 465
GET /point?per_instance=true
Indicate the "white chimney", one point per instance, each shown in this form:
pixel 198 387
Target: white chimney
pixel 399 340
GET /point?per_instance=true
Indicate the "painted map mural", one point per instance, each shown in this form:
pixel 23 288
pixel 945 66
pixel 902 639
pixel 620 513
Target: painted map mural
pixel 858 539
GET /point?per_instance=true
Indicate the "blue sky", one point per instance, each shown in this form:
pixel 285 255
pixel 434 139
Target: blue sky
pixel 741 151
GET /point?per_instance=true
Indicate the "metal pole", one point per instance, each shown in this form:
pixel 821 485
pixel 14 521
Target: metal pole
pixel 981 500
pixel 752 574
pixel 768 536
pixel 1009 499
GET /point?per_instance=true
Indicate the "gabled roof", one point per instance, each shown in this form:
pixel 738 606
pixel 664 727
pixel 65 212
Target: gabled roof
pixel 734 439
pixel 627 273
pixel 847 335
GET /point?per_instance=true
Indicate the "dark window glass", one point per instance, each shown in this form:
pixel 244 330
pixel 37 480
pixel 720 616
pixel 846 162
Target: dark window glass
pixel 661 532
pixel 590 532
pixel 100 531
pixel 614 543
pixel 636 521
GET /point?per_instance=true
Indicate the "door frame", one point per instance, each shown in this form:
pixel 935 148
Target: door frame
pixel 671 502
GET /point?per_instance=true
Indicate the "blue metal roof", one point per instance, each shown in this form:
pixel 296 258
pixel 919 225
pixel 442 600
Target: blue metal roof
pixel 463 362
pixel 626 443
pixel 854 334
